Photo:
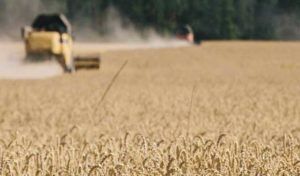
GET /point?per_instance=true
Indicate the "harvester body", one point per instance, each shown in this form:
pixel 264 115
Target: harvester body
pixel 50 37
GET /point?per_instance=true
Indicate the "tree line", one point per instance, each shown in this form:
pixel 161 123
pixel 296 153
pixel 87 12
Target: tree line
pixel 210 19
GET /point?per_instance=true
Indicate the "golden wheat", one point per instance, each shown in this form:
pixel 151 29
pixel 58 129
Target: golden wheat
pixel 225 108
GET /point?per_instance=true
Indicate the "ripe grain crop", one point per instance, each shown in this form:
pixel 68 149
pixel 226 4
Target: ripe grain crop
pixel 224 108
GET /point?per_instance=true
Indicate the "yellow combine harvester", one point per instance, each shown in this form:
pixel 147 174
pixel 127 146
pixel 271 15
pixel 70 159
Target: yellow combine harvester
pixel 50 37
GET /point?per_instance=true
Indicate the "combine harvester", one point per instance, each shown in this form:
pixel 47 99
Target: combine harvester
pixel 50 37
pixel 185 33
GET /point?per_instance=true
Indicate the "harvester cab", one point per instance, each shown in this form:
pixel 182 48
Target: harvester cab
pixel 50 37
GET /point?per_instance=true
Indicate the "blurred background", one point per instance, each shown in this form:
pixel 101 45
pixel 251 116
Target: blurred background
pixel 210 19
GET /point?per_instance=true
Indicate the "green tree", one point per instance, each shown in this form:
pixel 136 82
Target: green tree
pixel 265 19
pixel 245 18
pixel 228 26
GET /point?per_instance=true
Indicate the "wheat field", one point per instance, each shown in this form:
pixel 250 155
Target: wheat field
pixel 224 108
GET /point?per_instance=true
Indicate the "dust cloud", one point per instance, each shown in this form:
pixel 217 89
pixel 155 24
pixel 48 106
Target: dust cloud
pixel 117 33
pixel 15 14
pixel 288 27
pixel 119 30
pixel 13 65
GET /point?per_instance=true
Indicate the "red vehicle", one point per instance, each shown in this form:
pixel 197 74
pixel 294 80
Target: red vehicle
pixel 185 33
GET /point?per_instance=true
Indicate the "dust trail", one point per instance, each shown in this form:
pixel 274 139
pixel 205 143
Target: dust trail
pixel 117 33
pixel 288 27
pixel 117 29
pixel 12 65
